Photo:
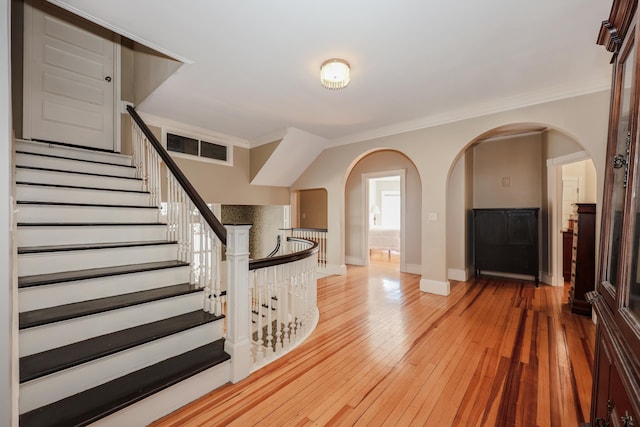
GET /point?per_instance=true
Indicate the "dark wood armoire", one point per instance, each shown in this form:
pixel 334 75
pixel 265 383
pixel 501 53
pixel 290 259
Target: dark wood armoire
pixel 616 299
pixel 583 255
pixel 506 240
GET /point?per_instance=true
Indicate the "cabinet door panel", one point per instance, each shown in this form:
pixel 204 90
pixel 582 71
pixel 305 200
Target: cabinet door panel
pixel 490 227
pixel 521 228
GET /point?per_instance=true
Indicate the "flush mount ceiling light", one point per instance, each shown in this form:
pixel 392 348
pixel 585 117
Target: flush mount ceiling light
pixel 334 74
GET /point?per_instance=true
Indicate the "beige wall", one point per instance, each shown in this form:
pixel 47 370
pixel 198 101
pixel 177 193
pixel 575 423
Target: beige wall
pixel 151 69
pixel 17 40
pixel 230 184
pixel 557 144
pixel 312 208
pixel 380 161
pixel 127 71
pixel 260 155
pixel 457 209
pixel 507 173
pixel 434 150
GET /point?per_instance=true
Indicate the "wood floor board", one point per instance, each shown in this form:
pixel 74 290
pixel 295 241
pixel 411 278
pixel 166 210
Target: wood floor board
pixel 495 352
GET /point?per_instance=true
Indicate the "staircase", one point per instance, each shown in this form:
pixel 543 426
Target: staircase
pixel 110 330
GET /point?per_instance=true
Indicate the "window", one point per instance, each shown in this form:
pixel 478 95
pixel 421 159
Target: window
pixel 184 144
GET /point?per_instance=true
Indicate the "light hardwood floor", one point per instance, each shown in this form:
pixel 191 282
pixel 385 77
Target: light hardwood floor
pixel 495 352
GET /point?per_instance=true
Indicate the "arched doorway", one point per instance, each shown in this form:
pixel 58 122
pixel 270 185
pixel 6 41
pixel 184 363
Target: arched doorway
pixel 508 167
pixel 390 175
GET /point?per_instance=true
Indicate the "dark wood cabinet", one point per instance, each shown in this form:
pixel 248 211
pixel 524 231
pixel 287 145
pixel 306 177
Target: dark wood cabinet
pixel 583 258
pixel 506 241
pixel 616 300
pixel 567 244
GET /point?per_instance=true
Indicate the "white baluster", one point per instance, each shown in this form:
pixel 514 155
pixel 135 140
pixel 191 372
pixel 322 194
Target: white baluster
pixel 252 311
pixel 269 287
pixel 283 305
pixel 279 309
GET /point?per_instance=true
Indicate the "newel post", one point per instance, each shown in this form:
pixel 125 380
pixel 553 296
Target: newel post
pixel 237 343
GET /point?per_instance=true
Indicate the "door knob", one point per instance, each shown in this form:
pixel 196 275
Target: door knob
pixel 108 79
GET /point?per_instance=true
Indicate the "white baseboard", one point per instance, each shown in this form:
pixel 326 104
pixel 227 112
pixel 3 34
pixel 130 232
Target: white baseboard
pixel 352 260
pixel 331 270
pixel 435 287
pixel 413 268
pixel 457 274
pixel 547 279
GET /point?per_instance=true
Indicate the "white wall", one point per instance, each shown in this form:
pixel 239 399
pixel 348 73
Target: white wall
pixel 434 150
pixel 8 398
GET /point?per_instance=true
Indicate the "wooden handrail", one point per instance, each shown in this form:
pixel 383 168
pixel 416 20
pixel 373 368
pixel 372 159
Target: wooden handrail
pixel 284 259
pixel 275 250
pixel 320 230
pixel 197 200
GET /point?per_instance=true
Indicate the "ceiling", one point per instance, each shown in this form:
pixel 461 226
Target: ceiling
pixel 252 67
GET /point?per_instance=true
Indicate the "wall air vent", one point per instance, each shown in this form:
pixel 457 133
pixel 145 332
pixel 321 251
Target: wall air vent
pixel 197 147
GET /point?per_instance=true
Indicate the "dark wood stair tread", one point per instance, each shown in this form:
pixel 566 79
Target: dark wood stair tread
pixel 98 205
pixel 93 273
pixel 89 224
pixel 66 144
pixel 89 406
pixel 54 360
pixel 90 246
pixel 43 316
pixel 78 187
pixel 76 172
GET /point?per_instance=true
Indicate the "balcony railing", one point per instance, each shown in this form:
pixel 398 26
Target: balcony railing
pixel 318 235
pixel 283 300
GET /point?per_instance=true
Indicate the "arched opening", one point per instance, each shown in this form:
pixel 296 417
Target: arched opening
pixel 383 201
pixel 518 165
pixel 310 210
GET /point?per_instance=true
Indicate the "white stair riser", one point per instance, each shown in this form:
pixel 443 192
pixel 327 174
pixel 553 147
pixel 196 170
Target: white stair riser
pixel 55 262
pixel 51 388
pixel 23 159
pixel 168 400
pixel 53 213
pixel 45 337
pixel 64 178
pixel 69 235
pixel 75 153
pixel 34 193
pixel 37 297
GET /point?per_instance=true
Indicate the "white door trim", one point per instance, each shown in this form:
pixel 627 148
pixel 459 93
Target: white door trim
pixel 554 203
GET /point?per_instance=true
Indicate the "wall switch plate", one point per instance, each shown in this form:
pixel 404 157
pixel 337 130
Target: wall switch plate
pixel 433 216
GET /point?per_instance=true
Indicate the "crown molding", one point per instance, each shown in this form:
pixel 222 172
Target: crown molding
pixel 505 104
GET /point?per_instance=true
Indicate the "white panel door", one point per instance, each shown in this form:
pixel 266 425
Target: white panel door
pixel 69 82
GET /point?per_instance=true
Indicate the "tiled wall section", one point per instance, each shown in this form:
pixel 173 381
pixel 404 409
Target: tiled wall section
pixel 265 224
